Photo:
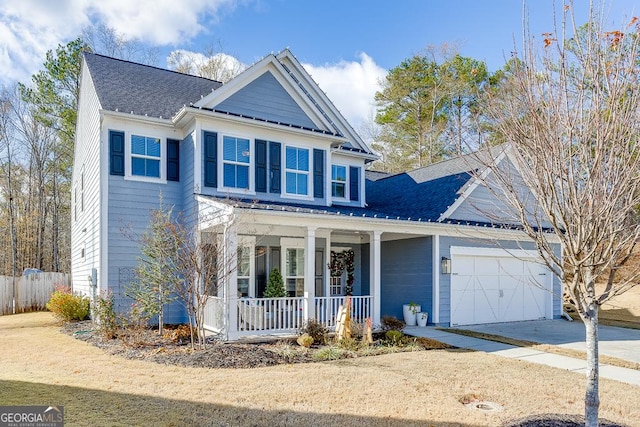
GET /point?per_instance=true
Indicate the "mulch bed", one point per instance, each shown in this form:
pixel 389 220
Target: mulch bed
pixel 148 345
pixel 556 420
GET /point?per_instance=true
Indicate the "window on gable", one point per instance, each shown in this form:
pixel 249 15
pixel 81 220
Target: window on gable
pixel 297 171
pixel 145 156
pixel 235 157
pixel 338 181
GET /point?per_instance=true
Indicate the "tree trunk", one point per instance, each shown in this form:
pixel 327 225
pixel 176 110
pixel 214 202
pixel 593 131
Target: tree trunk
pixel 591 399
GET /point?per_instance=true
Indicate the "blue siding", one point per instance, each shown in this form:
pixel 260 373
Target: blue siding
pixel 406 267
pixel 130 203
pixel 445 279
pixel 187 176
pixel 265 98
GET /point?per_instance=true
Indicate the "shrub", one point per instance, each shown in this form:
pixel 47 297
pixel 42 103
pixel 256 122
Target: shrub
pixel 275 286
pixel 180 334
pixel 68 307
pixel 394 337
pixel 316 330
pixel 329 353
pixel 391 323
pixel 352 344
pixel 305 340
pixel 105 315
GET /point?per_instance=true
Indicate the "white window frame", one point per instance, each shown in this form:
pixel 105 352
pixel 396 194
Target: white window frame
pixel 309 195
pixel 346 182
pixel 286 244
pixel 128 174
pixel 251 188
pixel 248 243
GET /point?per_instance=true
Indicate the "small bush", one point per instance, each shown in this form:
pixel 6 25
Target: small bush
pixel 288 351
pixel 391 323
pixel 316 330
pixel 329 353
pixel 305 340
pixel 105 315
pixel 394 337
pixel 352 344
pixel 179 335
pixel 68 307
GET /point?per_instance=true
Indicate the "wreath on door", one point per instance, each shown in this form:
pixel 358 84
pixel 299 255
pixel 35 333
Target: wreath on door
pixel 341 261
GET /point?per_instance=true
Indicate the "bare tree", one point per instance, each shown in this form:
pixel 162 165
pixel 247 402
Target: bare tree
pixel 177 259
pixel 572 121
pixel 212 64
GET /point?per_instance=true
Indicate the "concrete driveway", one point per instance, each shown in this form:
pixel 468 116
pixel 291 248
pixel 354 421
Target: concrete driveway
pixel 622 343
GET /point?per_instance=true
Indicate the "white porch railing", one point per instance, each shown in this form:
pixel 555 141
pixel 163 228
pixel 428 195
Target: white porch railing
pixel 270 314
pixel 214 314
pixel 263 316
pixel 326 309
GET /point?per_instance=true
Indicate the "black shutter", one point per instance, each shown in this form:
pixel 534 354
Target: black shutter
pixel 116 152
pixel 210 159
pixel 173 160
pixel 318 173
pixel 354 183
pixel 274 166
pixel 261 166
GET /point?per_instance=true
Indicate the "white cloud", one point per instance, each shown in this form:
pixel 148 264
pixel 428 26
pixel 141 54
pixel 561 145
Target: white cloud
pixel 351 85
pixel 29 28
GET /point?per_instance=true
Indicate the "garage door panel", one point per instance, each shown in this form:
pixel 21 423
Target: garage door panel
pixel 490 289
pixel 485 266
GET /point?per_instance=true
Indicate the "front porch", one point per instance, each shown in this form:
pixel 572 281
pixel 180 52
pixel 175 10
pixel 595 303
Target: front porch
pixel 272 316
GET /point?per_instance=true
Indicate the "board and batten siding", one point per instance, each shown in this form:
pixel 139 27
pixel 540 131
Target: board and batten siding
pixel 265 98
pixel 445 279
pixel 130 206
pixel 86 190
pixel 405 275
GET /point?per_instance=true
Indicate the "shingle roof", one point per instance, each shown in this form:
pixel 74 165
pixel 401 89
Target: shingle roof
pixel 126 86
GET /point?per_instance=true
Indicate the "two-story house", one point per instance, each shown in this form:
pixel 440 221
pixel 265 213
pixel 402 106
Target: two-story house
pixel 270 154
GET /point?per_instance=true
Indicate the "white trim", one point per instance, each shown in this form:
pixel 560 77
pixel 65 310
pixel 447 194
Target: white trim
pixel 320 97
pixel 494 252
pixel 346 182
pixel 435 248
pixel 103 263
pixel 251 176
pixel 128 155
pixel 475 182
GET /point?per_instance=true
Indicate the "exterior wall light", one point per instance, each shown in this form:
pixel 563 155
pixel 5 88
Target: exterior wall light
pixel 445 265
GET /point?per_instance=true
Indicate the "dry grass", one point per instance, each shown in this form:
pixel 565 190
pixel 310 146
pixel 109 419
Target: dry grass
pixel 42 366
pixel 609 360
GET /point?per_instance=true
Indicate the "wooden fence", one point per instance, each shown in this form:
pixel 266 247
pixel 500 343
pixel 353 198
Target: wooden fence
pixel 29 293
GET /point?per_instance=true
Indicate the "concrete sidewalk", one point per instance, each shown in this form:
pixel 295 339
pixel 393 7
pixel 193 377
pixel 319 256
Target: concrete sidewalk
pixel 625 375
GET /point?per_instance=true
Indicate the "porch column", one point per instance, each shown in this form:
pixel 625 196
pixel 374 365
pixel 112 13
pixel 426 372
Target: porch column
pixel 309 272
pixel 230 272
pixel 435 307
pixel 327 271
pixel 374 274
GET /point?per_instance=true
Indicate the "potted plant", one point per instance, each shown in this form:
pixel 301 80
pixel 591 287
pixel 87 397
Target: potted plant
pixel 409 312
pixel 422 318
pixel 275 286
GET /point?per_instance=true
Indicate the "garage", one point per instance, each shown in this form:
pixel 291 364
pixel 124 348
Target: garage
pixel 490 285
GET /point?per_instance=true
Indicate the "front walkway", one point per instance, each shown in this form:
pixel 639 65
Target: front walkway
pixel 629 376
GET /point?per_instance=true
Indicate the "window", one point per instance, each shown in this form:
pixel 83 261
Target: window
pixel 297 171
pixel 145 156
pixel 235 155
pixel 244 270
pixel 338 181
pixel 294 269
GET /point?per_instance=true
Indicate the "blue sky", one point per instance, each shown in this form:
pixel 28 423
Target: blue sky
pixel 347 45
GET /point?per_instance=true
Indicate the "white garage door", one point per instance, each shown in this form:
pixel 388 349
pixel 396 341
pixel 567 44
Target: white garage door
pixel 493 285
